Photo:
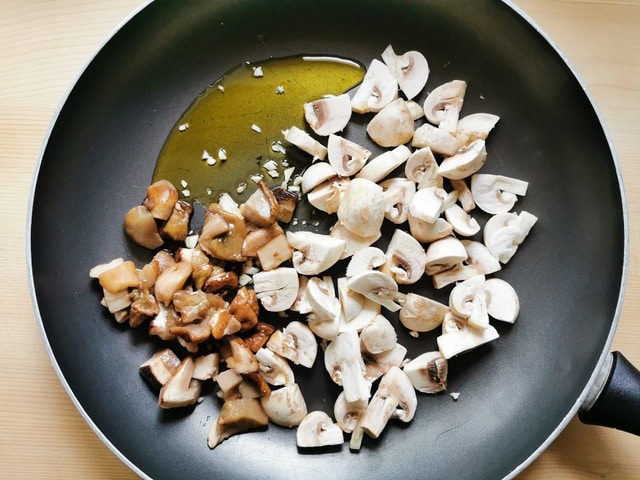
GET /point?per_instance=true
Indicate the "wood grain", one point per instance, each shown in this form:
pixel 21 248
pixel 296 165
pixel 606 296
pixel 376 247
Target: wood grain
pixel 43 47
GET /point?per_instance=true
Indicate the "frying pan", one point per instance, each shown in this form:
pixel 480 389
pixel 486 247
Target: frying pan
pixel 517 393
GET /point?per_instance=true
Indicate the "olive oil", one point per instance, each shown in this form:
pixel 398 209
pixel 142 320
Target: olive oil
pixel 231 135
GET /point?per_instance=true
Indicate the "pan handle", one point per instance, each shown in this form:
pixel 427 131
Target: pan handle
pixel 614 400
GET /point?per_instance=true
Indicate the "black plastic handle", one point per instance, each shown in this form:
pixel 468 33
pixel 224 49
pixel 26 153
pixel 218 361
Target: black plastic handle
pixel 618 404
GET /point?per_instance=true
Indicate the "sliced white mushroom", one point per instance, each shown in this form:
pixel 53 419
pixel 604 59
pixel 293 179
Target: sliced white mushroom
pixel 392 126
pixel 296 342
pixel 496 193
pixel 348 414
pixel 436 139
pixel 428 203
pixel 443 105
pixel 422 169
pixel 405 258
pixel 474 126
pixel 466 162
pixel 351 302
pixel 378 88
pixel 426 232
pixel 465 197
pixel 398 193
pixel 428 372
pixel 443 254
pixel 468 300
pixel 365 315
pixel 316 174
pixel 329 114
pixel 502 300
pixel 354 242
pixel 305 142
pixel 379 167
pixel 462 223
pixel 421 314
pixel 324 328
pixel 379 364
pixel 410 69
pixel 361 210
pixel 416 109
pixel 479 261
pixel 343 361
pixel 274 369
pixel 376 286
pixel 285 406
pixel 453 323
pixel 317 429
pixel 322 298
pixel 365 259
pixel 326 196
pixel 461 341
pixel 346 157
pixel 394 398
pixel 314 252
pixel 378 336
pixel 301 303
pixel 504 233
pixel 276 289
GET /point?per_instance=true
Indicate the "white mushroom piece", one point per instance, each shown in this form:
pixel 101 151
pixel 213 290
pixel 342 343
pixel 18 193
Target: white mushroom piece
pixel 422 169
pixel 393 125
pixel 427 232
pixel 398 193
pixel 474 126
pixel 305 142
pixel 368 258
pixel 345 156
pixel 436 139
pixel 461 222
pixel 348 415
pixel 378 336
pixel 326 197
pixel 443 254
pixel 479 261
pixel 428 372
pixel 317 429
pixel 378 88
pixel 261 208
pixel 274 368
pixel 324 318
pixel 295 342
pixel 285 406
pixel 504 233
pixel 502 300
pixel 443 105
pixel 421 314
pixel 376 286
pixel 496 193
pixel 468 300
pixel 329 114
pixel 410 69
pixel 313 253
pixel 467 161
pixel 462 340
pixel 276 289
pixel 405 258
pixel 361 210
pixel 236 416
pixel 316 174
pixel 343 361
pixel 354 242
pixel 394 398
pixel 428 203
pixel 379 167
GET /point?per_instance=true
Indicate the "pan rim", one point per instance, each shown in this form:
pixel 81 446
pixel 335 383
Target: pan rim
pixel 571 413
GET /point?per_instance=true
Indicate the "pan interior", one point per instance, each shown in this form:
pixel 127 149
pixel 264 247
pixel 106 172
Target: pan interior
pixel 101 154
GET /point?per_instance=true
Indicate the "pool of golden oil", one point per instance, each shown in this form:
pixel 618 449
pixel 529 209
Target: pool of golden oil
pixel 242 116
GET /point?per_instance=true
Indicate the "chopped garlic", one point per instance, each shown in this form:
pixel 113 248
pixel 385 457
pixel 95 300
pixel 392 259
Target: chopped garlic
pixel 211 161
pixel 186 192
pixel 287 174
pixel 184 183
pixel 209 191
pixel 183 127
pixel 256 177
pixel 270 164
pixel 273 173
pixel 278 147
pixel 241 187
pixel 221 88
pixel 244 279
pixel 256 128
pixel 257 72
pixel 279 90
pixel 222 154
pixel 191 241
pixel 455 395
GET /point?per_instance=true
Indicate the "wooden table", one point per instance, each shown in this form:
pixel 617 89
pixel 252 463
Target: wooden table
pixel 44 45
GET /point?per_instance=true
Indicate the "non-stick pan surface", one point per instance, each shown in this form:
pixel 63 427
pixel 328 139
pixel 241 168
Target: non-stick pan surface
pixel 515 393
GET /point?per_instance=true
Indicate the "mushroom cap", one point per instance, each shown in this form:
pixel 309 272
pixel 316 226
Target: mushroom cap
pixel 443 99
pixel 466 162
pixel 410 69
pixel 502 300
pixel 405 258
pixel 276 289
pixel 317 429
pixel 496 193
pixel 422 314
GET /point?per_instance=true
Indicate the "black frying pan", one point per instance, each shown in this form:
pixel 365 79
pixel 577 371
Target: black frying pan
pixel 517 393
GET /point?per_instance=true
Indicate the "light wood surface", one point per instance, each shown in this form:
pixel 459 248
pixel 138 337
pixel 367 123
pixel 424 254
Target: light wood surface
pixel 44 45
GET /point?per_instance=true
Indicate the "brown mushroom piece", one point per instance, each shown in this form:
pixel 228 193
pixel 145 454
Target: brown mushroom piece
pixel 287 201
pixel 171 280
pixel 261 208
pixel 177 226
pixel 236 416
pixel 181 390
pixel 141 227
pixel 158 369
pixel 143 307
pixel 161 199
pixel 228 245
pixel 244 307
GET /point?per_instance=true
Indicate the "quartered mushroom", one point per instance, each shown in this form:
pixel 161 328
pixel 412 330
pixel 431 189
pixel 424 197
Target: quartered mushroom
pixel 285 406
pixel 496 193
pixel 351 303
pixel 322 298
pixel 346 156
pixel 261 208
pixel 326 197
pixel 443 105
pixel 343 361
pixel 394 398
pixel 398 193
pixel 421 314
pixel 428 203
pixel 376 365
pixel 276 289
pixel 305 142
pixel 317 429
pixel 181 389
pixel 502 300
pixel 479 261
pixel 295 342
pixel 426 232
pixel 161 199
pixel 378 336
pixel 328 115
pixel 140 226
pixel 436 139
pixel 316 174
pixel 468 300
pixel 461 341
pixel 368 258
pixel 405 258
pixel 504 233
pixel 422 169
pixel 377 89
pixel 410 69
pixel 467 161
pixel 393 125
pixel 361 210
pixel 354 241
pixel 348 415
pixel 474 126
pixel 443 254
pixel 465 197
pixel 461 222
pixel 376 286
pixel 236 416
pixel 313 253
pixel 379 167
pixel 274 368
pixel 428 372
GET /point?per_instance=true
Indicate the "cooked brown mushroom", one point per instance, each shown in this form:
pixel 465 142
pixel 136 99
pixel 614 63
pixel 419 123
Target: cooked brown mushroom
pixel 258 336
pixel 227 246
pixel 160 367
pixel 171 280
pixel 287 200
pixel 244 307
pixel 237 416
pixel 143 306
pixel 181 389
pixel 141 227
pixel 161 199
pixel 220 281
pixel 177 226
pixel 261 208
